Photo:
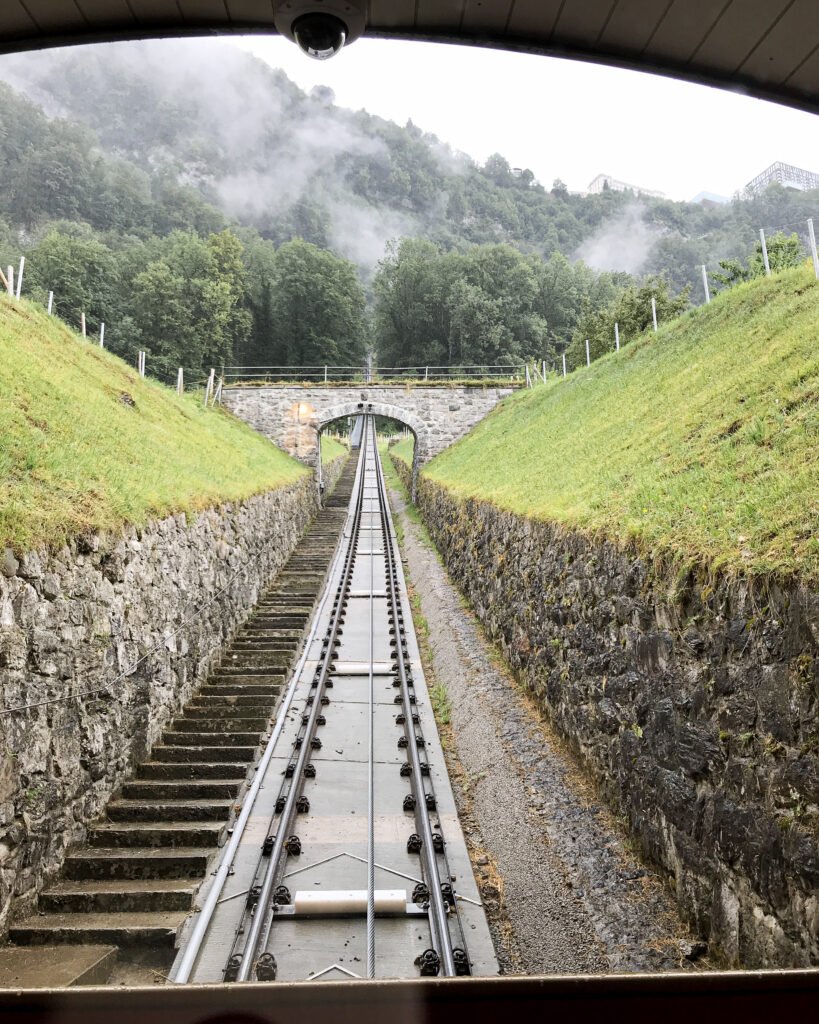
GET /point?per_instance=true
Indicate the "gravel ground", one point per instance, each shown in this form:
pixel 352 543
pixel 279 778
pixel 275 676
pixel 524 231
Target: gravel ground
pixel 563 890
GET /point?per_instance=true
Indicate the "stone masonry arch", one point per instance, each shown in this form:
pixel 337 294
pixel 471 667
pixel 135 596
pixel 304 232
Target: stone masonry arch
pixel 392 412
pixel 292 416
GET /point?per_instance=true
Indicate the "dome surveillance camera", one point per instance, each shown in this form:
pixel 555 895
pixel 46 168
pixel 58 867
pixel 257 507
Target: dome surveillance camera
pixel 320 36
pixel 321 27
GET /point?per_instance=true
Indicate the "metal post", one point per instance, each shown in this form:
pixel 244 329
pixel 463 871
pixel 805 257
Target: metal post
pixel 20 275
pixel 813 247
pixel 180 384
pixel 588 357
pixel 705 284
pixel 528 377
pixel 82 324
pixel 102 335
pixel 654 312
pixel 765 252
pixel 325 374
pixel 543 370
pixel 617 336
pixel 210 385
pixel 426 374
pixel 50 302
pixel 564 364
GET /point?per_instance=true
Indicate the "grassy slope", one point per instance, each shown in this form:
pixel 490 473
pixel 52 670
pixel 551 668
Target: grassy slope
pixel 699 443
pixel 331 449
pixel 74 458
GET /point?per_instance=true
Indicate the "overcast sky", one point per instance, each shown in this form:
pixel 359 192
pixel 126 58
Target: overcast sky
pixel 563 119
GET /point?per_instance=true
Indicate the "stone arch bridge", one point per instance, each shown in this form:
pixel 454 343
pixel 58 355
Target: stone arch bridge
pixel 294 416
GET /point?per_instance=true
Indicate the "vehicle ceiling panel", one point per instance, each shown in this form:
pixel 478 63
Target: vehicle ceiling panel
pixel 768 49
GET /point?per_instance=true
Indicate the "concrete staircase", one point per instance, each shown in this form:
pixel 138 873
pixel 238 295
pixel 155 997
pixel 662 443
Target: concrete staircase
pixel 134 882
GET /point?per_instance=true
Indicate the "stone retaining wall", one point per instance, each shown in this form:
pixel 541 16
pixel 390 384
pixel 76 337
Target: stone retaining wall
pixel 78 619
pixel 698 715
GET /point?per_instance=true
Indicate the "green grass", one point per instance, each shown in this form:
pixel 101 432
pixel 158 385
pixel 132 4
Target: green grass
pixel 74 458
pixel 331 449
pixel 404 449
pixel 698 445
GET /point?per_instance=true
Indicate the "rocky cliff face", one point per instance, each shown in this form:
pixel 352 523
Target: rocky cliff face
pixel 136 620
pixel 698 713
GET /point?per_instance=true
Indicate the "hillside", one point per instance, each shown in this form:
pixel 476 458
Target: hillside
pixel 197 134
pixel 86 444
pixel 698 444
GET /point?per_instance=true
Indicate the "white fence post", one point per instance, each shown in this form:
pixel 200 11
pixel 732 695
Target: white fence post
pixel 217 398
pixel 616 336
pixel 209 386
pixel 528 378
pixel 813 247
pixel 705 284
pixel 82 324
pixel 543 370
pixel 20 275
pixel 588 357
pixel 325 374
pixel 564 364
pixel 50 302
pixel 180 383
pixel 654 312
pixel 765 252
pixel 11 280
pixel 102 335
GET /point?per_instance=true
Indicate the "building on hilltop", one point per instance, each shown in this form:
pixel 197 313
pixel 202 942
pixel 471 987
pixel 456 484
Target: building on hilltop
pixel 605 181
pixel 785 174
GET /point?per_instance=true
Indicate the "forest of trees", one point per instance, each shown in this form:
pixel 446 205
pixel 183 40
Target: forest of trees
pixel 211 212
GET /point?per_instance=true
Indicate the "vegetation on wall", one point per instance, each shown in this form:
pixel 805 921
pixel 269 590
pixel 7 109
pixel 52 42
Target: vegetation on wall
pixel 88 444
pixel 700 442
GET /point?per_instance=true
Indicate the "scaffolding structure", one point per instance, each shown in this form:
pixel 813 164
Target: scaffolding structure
pixel 785 174
pixel 605 181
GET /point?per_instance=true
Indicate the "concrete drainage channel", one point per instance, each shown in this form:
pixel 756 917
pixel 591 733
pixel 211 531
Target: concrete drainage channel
pixel 115 912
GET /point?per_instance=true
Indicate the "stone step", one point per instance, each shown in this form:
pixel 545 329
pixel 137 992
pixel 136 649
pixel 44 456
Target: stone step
pixel 122 896
pixel 241 686
pixel 228 721
pixel 216 789
pixel 217 714
pixel 55 966
pixel 259 631
pixel 264 645
pixel 175 771
pixel 254 661
pixel 159 928
pixel 173 834
pixel 143 863
pixel 168 810
pixel 225 738
pixel 201 753
pixel 236 695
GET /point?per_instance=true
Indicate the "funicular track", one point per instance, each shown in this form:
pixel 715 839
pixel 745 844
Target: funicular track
pixel 348 801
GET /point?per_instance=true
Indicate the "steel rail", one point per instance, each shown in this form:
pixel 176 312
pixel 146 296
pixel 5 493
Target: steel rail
pixel 264 905
pixel 439 919
pixel 370 427
pixel 181 970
